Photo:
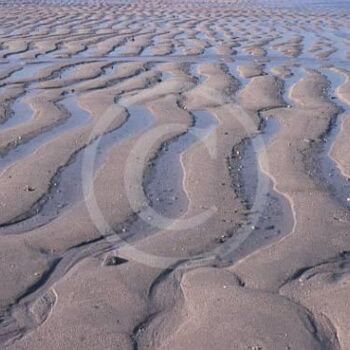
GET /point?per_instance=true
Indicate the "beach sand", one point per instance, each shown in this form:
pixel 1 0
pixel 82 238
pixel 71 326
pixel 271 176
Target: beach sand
pixel 174 174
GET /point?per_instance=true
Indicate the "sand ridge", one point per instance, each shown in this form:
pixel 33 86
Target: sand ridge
pixel 174 174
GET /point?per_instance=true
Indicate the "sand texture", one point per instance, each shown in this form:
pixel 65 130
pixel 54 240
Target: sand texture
pixel 174 174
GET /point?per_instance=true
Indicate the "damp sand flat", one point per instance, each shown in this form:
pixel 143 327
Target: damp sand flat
pixel 173 171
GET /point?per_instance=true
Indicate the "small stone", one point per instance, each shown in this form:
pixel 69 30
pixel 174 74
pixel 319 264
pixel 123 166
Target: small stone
pixel 221 239
pixel 30 189
pixel 114 260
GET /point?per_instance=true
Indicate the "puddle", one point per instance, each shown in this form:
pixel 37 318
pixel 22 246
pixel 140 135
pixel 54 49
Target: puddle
pixel 342 44
pixel 201 36
pixel 117 51
pixel 21 112
pixel 281 39
pixel 341 34
pixel 67 71
pixel 164 181
pixel 140 120
pixel 148 51
pixel 28 71
pixel 210 51
pixel 85 52
pixel 297 74
pixel 268 213
pixel 248 167
pixel 16 56
pixel 309 39
pixel 233 70
pixel 193 71
pixel 177 51
pixel 108 69
pixel 181 36
pixel 52 54
pixel 220 35
pixel 78 118
pixel 67 185
pixel 166 75
pixel 322 166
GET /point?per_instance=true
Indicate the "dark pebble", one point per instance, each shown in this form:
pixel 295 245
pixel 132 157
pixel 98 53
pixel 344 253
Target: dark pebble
pixel 114 260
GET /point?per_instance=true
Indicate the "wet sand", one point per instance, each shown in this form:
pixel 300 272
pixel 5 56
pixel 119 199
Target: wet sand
pixel 174 174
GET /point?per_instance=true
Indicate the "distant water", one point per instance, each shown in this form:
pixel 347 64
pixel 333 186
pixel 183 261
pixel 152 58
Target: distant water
pixel 312 4
pixel 295 4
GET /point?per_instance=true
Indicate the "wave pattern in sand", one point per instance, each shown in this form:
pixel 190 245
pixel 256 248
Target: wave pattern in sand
pixel 174 174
